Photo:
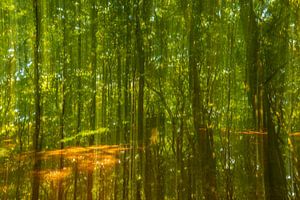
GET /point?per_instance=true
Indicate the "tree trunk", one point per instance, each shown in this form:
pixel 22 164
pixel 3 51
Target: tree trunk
pixel 126 91
pixel 263 90
pixel 37 100
pixel 254 77
pixel 204 135
pixel 276 61
pixel 140 57
pixel 93 86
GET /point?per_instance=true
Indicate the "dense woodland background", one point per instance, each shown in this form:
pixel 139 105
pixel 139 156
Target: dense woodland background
pixel 204 96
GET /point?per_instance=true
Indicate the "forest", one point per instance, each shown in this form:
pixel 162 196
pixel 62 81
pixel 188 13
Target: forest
pixel 150 99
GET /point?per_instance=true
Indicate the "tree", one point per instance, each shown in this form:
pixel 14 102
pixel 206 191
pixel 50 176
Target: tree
pixel 37 99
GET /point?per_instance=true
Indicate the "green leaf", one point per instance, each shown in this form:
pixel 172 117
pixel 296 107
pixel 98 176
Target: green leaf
pixel 99 131
pixel 68 139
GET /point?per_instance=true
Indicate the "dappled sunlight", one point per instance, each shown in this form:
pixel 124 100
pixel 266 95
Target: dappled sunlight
pixel 101 147
pixel 47 154
pixel 4 189
pixel 295 134
pixel 8 143
pixel 23 156
pixel 87 159
pixel 74 152
pixel 87 165
pixel 53 175
pixel 108 162
pixel 145 99
pixel 253 133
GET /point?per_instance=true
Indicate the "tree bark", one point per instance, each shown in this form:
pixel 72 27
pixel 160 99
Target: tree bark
pixel 93 86
pixel 204 135
pixel 37 100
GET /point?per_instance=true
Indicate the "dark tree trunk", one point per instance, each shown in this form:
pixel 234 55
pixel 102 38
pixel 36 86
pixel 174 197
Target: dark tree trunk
pixel 79 101
pixel 126 92
pixel 37 101
pixel 63 103
pixel 204 135
pixel 140 62
pixel 263 90
pixel 276 60
pixel 93 86
pixel 254 77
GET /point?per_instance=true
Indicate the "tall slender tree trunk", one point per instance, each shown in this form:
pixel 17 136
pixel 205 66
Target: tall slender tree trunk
pixel 141 69
pixel 140 62
pixel 148 181
pixel 79 103
pixel 276 60
pixel 119 83
pixel 94 84
pixel 126 92
pixel 254 77
pixel 204 135
pixel 263 90
pixel 94 68
pixel 63 101
pixel 37 100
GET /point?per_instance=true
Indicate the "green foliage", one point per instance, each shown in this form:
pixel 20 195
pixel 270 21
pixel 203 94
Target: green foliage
pixel 209 64
pixel 4 153
pixel 86 133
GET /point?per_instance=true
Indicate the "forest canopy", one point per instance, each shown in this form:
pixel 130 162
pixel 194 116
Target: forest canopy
pixel 150 99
